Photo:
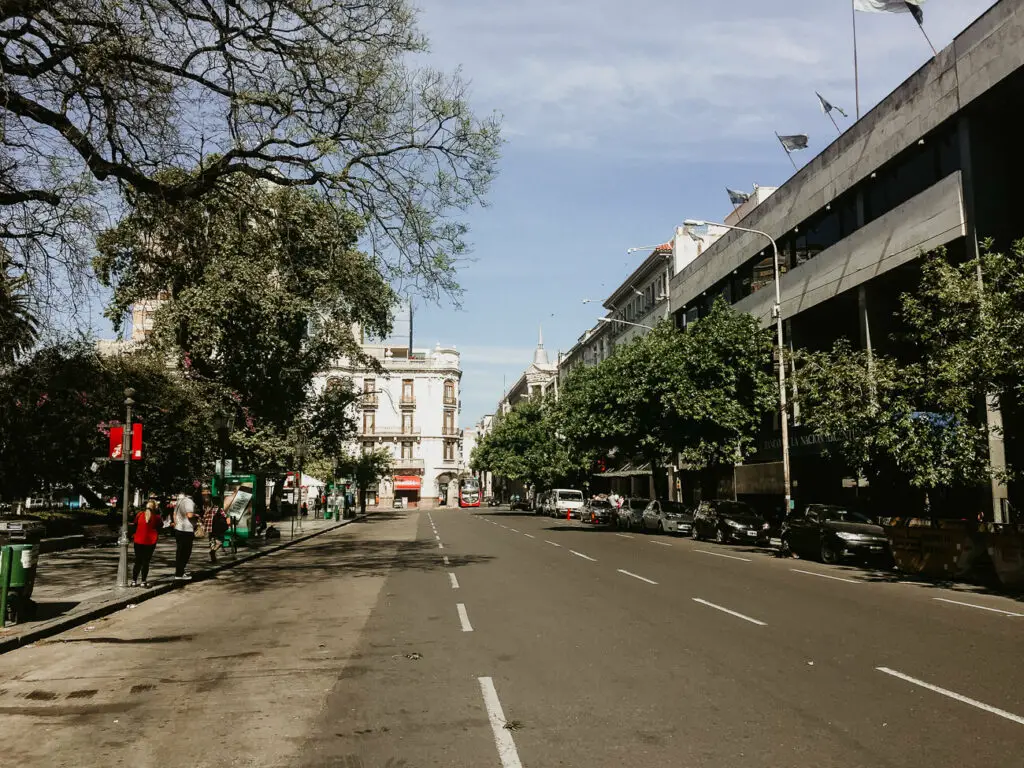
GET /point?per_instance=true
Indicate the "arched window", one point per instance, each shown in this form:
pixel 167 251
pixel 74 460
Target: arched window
pixel 449 392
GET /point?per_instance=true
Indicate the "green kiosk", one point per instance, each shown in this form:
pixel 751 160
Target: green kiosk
pixel 242 503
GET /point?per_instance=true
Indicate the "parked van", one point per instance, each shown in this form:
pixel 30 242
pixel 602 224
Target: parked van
pixel 566 502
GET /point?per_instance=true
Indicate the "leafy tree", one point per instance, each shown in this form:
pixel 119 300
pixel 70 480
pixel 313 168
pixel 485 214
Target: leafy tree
pixel 264 288
pixel 56 408
pixel 367 469
pixel 102 97
pixel 525 445
pixel 18 325
pixel 883 423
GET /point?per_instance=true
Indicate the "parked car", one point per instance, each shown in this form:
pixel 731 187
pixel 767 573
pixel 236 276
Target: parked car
pixel 598 512
pixel 518 502
pixel 667 517
pixel 729 521
pixel 631 512
pixel 832 533
pixel 565 503
pixel 493 501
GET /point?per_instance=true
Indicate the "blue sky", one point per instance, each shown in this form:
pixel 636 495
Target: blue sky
pixel 622 120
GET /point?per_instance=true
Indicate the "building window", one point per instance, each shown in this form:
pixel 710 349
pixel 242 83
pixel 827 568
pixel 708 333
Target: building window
pixel 449 392
pixel 406 423
pixel 369 423
pixel 449 419
pixel 369 385
pixel 407 391
pixel 406 450
pixel 449 450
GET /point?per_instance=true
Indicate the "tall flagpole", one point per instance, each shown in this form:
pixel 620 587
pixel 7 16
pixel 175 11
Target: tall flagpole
pixel 856 71
pixel 928 39
pixel 788 153
pixel 829 113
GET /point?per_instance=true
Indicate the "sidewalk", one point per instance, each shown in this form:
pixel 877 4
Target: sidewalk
pixel 79 585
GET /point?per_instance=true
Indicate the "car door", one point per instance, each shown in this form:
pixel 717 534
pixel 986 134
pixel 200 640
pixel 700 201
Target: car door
pixel 804 539
pixel 645 518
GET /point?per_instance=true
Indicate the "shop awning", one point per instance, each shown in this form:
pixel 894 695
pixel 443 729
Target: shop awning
pixel 627 470
pixel 407 483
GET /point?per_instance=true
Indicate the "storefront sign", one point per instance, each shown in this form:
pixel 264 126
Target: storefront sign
pixel 407 483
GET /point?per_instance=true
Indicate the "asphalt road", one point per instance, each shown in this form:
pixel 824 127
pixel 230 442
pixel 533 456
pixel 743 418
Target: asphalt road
pixel 485 638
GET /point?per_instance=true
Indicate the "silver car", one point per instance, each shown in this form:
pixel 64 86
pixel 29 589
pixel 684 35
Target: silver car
pixel 631 512
pixel 667 517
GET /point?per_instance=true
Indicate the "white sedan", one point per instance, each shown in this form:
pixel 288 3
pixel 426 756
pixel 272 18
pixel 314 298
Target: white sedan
pixel 667 517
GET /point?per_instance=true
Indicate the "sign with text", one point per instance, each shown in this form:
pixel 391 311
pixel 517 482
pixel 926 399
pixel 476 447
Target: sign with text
pixel 117 442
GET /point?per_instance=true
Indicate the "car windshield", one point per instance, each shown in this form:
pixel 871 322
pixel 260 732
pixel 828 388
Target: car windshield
pixel 600 503
pixel 570 496
pixel 674 508
pixel 841 515
pixel 735 509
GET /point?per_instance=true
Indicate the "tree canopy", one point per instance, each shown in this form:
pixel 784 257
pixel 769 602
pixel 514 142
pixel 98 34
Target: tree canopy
pixel 102 98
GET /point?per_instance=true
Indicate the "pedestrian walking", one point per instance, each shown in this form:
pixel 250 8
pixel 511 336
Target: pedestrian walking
pixel 218 527
pixel 305 509
pixel 147 528
pixel 185 521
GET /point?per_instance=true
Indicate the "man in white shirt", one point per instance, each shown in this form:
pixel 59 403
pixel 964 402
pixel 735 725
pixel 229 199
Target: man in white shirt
pixel 185 535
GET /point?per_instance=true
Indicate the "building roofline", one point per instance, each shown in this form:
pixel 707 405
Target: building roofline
pixel 661 252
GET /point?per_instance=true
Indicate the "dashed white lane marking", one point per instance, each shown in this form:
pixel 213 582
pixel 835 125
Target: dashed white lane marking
pixel 440 545
pixel 445 559
pixel 437 536
pixel 502 735
pixel 641 578
pixel 585 557
pixel 661 543
pixel 623 536
pixel 453 580
pixel 464 618
pixel 504 526
pixel 980 607
pixel 825 576
pixel 529 535
pixel 552 543
pixel 731 613
pixel 953 695
pixel 719 554
pixel 513 530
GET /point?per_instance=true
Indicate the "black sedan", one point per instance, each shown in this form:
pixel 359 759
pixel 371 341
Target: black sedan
pixel 729 521
pixel 598 512
pixel 833 533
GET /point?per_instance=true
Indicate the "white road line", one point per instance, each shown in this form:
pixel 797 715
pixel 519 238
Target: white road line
pixel 437 536
pixel 825 576
pixel 637 577
pixel 952 695
pixel 719 554
pixel 553 544
pixel 440 545
pixel 453 580
pixel 502 735
pixel 623 536
pixel 731 613
pixel 981 607
pixel 585 557
pixel 513 530
pixel 464 617
pixel 662 543
pixel 504 526
pixel 445 559
pixel 529 535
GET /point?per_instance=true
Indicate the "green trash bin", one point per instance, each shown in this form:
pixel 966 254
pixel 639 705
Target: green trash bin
pixel 19 558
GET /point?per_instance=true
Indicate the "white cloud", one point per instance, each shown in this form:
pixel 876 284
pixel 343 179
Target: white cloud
pixel 668 78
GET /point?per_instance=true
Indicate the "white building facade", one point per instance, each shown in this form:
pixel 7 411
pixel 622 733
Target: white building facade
pixel 411 411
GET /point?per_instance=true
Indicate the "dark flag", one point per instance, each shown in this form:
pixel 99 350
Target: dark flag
pixel 827 108
pixel 794 143
pixel 737 198
pixel 915 9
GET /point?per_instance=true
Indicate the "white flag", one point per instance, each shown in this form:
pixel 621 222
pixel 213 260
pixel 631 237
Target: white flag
pixel 886 6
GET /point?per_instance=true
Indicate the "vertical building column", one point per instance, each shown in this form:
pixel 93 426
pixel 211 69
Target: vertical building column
pixel 992 414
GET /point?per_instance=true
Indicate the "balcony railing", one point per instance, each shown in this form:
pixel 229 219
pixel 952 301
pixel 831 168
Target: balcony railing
pixel 450 400
pixel 370 400
pixel 409 464
pixel 408 401
pixel 450 431
pixel 392 432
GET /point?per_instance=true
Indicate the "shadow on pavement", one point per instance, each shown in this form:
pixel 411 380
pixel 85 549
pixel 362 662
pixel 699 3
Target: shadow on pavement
pixel 343 557
pixel 129 640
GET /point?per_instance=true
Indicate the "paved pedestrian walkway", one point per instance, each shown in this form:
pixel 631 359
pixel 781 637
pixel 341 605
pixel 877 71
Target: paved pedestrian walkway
pixel 80 583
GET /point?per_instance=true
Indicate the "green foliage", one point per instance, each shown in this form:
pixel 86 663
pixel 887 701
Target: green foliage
pixel 56 407
pixel 330 422
pixel 525 445
pixel 265 286
pixel 700 394
pixel 366 470
pixel 18 325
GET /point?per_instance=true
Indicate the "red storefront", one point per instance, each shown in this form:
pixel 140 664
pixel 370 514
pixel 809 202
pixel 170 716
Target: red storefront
pixel 408 487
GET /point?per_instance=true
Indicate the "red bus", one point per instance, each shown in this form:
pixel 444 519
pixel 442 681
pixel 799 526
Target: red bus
pixel 469 492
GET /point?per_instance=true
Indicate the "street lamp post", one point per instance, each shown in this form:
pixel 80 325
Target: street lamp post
pixel 777 313
pixel 126 453
pixel 300 456
pixel 224 424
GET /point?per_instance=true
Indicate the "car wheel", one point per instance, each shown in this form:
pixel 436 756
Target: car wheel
pixel 828 555
pixel 785 550
pixel 719 536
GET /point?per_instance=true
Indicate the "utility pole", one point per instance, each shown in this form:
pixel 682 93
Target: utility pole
pixel 126 452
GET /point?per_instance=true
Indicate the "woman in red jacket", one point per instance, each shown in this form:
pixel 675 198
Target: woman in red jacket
pixel 147 525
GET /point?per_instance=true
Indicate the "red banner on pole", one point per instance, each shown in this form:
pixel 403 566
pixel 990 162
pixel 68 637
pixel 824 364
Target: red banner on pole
pixel 136 441
pixel 117 443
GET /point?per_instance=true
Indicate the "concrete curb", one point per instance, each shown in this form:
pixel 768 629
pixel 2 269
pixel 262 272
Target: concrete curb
pixel 73 619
